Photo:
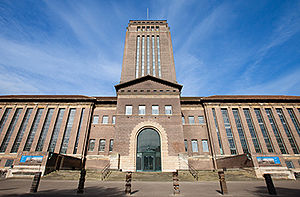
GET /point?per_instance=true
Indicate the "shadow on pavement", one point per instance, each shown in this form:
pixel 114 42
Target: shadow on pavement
pixel 281 191
pixel 88 191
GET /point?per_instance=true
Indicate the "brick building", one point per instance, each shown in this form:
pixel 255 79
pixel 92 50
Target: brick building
pixel 148 126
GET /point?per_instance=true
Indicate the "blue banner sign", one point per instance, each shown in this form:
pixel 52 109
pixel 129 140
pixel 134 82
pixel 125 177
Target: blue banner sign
pixel 268 160
pixel 31 159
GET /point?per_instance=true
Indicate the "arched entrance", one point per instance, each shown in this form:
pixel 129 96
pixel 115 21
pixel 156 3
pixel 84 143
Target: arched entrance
pixel 148 155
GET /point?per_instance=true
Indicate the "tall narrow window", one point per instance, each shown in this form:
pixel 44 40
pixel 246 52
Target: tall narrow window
pixel 264 131
pixel 153 56
pixel 113 120
pixel 128 110
pixel 168 109
pixel 185 145
pixel 56 130
pixel 201 119
pixel 78 131
pixel 240 130
pixel 289 164
pixel 95 119
pixel 155 110
pixel 287 131
pixel 158 57
pixel 91 145
pixel 252 131
pixel 275 131
pixel 194 146
pixel 183 120
pixel 66 137
pixel 33 129
pixel 104 119
pixel 205 146
pixel 142 109
pixel 217 131
pixel 44 131
pixel 9 163
pixel 229 132
pixel 101 145
pixel 191 120
pixel 137 57
pixel 143 55
pixel 4 118
pixel 10 130
pixel 294 120
pixel 111 145
pixel 21 131
pixel 148 55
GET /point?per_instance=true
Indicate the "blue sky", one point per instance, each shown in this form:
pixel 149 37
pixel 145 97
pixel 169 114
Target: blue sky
pixel 220 47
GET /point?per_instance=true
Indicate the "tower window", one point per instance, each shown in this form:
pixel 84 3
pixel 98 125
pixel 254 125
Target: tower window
pixel 101 145
pixel 201 119
pixel 105 119
pixel 95 119
pixel 191 120
pixel 205 146
pixel 142 110
pixel 128 110
pixel 91 145
pixel 168 109
pixel 155 110
pixel 111 145
pixel 195 146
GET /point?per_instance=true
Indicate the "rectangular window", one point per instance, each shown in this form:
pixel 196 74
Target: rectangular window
pixel 66 137
pixel 201 119
pixel 205 146
pixel 294 120
pixel 21 131
pixel 56 130
pixel 4 118
pixel 168 110
pixel 287 130
pixel 240 130
pixel 191 120
pixel 148 55
pixel 264 131
pixel 9 163
pixel 153 56
pixel 128 110
pixel 78 131
pixel 217 131
pixel 252 131
pixel 142 109
pixel 137 57
pixel 91 145
pixel 44 131
pixel 113 120
pixel 111 145
pixel 183 120
pixel 95 119
pixel 155 110
pixel 289 164
pixel 33 129
pixel 104 119
pixel 194 146
pixel 10 130
pixel 101 145
pixel 185 145
pixel 275 131
pixel 229 132
pixel 158 57
pixel 143 55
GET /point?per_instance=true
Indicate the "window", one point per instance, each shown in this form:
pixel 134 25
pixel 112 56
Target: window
pixel 252 131
pixel 168 110
pixel 104 119
pixel 128 110
pixel 142 109
pixel 191 120
pixel 158 57
pixel 113 120
pixel 4 118
pixel 183 120
pixel 217 131
pixel 155 110
pixel 101 145
pixel 153 56
pixel 111 145
pixel 137 57
pixel 78 132
pixel 185 145
pixel 240 130
pixel 148 54
pixel 229 132
pixel 194 146
pixel 9 163
pixel 143 55
pixel 205 146
pixel 56 130
pixel 201 119
pixel 66 136
pixel 294 120
pixel 91 145
pixel 289 164
pixel 95 119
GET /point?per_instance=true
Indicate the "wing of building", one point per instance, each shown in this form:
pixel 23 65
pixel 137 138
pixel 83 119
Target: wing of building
pixel 148 126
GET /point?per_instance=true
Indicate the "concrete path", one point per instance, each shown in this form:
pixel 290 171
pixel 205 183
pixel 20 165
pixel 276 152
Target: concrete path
pixel 20 187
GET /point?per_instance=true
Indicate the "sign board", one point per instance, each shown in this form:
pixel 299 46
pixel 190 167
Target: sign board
pixel 268 160
pixel 31 159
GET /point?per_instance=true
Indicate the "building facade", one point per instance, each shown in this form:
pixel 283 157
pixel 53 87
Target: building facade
pixel 148 125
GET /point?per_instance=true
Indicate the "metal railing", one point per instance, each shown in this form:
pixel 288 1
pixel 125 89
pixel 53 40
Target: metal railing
pixel 193 172
pixel 105 172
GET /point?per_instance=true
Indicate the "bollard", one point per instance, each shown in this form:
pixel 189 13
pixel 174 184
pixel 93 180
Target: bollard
pixel 176 183
pixel 35 182
pixel 223 185
pixel 128 183
pixel 80 188
pixel 270 185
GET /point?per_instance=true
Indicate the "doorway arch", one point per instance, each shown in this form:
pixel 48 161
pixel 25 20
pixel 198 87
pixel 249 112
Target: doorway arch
pixel 148 154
